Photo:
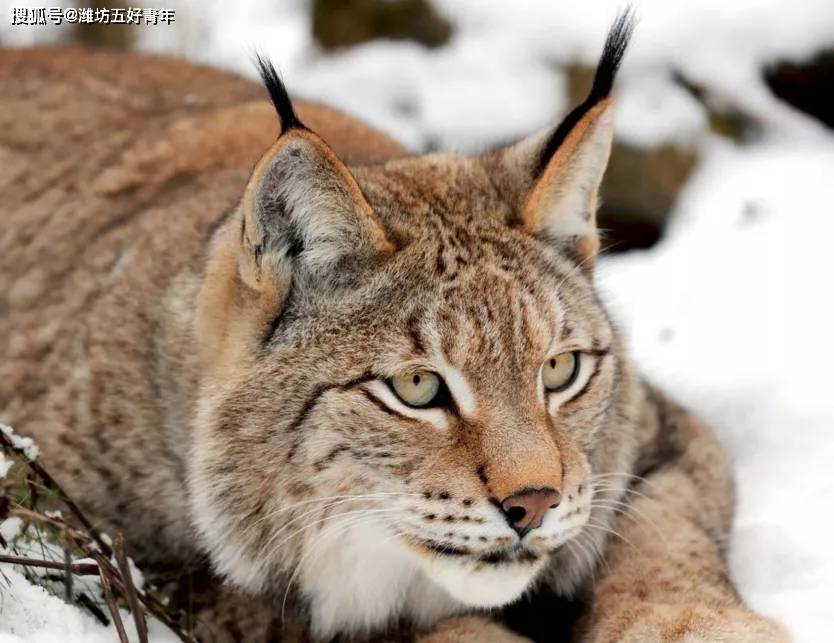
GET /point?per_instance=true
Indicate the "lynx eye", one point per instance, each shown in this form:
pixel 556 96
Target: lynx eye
pixel 560 371
pixel 418 389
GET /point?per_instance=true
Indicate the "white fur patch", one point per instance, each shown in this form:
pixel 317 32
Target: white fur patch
pixel 361 577
pixel 460 389
pixel 489 586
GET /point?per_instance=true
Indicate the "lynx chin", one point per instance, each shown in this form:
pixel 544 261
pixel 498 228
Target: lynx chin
pixel 378 397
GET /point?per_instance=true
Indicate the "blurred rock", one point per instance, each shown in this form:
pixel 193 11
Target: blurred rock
pixel 344 23
pixel 641 184
pixel 808 85
pixel 726 116
pixel 104 35
pixel 639 191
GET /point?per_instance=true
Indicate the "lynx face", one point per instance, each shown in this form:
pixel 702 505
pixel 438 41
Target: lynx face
pixel 408 379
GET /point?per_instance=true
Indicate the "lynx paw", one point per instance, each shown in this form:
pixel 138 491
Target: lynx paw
pixel 471 629
pixel 653 623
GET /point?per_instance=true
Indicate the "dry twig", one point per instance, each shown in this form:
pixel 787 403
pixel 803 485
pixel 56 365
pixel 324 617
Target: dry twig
pixel 130 589
pixel 80 569
pixel 111 605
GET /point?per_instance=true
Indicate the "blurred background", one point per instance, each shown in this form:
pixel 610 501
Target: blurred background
pixel 470 74
pixel 717 205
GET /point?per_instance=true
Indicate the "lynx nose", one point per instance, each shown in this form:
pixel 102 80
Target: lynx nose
pixel 525 509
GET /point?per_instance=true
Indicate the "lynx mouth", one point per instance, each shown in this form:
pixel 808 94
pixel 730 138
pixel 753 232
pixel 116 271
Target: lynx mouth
pixel 516 553
pixel 483 579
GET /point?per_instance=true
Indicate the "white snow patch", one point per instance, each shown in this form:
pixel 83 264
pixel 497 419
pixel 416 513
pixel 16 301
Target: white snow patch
pixel 25 445
pixel 30 614
pixel 5 465
pixel 652 111
pixel 10 528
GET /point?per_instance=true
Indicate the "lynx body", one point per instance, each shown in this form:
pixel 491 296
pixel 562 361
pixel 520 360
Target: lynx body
pixel 382 394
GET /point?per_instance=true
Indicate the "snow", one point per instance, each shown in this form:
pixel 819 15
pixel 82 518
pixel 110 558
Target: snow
pixel 30 613
pixel 33 615
pixel 5 465
pixel 731 312
pixel 26 445
pixel 10 528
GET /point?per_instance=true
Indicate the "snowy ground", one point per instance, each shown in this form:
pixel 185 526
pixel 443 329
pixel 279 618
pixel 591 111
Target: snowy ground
pixel 731 312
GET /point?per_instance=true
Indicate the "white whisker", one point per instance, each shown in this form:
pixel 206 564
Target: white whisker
pixel 325 499
pixel 614 532
pixel 346 500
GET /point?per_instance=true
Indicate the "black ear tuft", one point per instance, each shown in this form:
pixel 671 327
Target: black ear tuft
pixel 609 62
pixel 612 55
pixel 278 94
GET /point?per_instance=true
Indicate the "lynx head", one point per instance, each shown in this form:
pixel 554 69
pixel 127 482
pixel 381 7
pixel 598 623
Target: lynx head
pixel 410 358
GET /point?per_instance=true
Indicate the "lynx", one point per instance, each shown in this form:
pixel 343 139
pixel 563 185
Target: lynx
pixel 381 399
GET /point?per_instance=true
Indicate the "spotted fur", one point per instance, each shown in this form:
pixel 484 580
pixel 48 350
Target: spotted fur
pixel 212 379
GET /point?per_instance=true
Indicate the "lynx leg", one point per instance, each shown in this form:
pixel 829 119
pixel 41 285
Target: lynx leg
pixel 666 578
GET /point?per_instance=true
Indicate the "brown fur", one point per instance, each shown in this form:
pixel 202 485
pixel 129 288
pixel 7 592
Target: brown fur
pixel 182 373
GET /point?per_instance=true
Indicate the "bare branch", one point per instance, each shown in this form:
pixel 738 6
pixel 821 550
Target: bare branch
pixel 130 589
pixel 111 605
pixel 67 574
pixel 79 569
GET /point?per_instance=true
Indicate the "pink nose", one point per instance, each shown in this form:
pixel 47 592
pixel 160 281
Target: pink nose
pixel 525 509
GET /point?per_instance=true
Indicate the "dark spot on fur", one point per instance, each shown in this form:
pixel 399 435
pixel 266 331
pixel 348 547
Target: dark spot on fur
pixel 493 558
pixel 440 265
pixel 528 557
pixel 300 489
pixel 327 460
pixel 482 475
pixel 413 327
pixel 445 550
pixel 443 495
pixel 291 452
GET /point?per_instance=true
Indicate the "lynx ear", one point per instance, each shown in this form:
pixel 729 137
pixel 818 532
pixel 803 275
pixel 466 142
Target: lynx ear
pixel 567 165
pixel 302 202
pixel 302 216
